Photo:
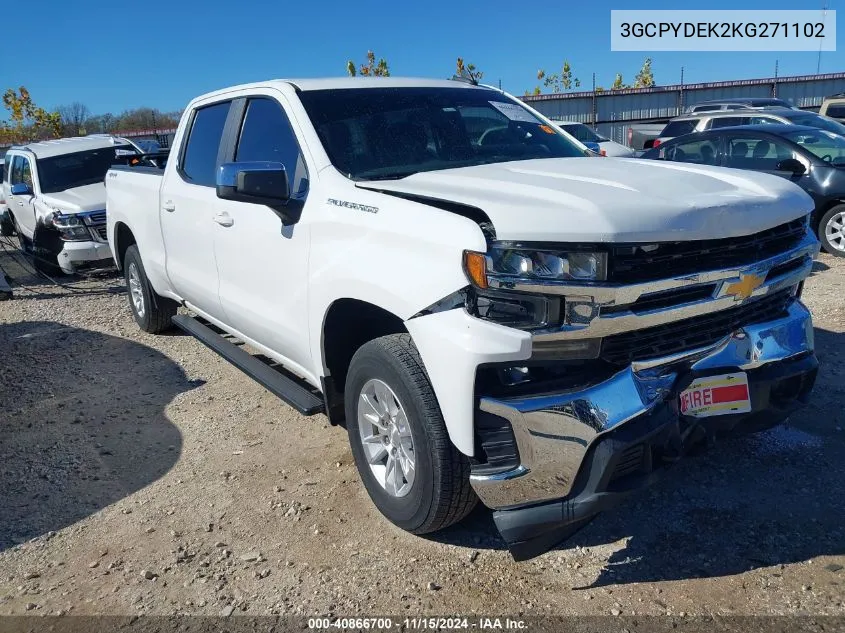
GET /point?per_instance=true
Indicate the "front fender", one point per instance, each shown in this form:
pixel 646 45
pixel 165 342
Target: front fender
pixel 452 344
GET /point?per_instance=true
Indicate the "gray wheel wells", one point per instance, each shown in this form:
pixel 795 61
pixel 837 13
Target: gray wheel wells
pixel 350 323
pixel 123 240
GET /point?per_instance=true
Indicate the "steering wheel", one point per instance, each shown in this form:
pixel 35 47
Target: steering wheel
pixel 492 134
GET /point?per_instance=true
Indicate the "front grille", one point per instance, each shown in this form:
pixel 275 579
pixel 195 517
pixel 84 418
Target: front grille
pixel 97 217
pixel 101 232
pixel 634 263
pixel 663 299
pixel 688 334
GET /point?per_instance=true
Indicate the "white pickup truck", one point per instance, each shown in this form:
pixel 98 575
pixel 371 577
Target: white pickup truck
pixel 52 196
pixel 491 313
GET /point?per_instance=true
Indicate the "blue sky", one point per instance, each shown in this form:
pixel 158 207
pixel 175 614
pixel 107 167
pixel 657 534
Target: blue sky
pixel 117 55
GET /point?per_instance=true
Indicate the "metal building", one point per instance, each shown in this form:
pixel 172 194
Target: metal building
pixel 613 111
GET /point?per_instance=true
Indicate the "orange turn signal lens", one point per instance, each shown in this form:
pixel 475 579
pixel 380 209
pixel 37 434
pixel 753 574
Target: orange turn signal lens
pixel 475 267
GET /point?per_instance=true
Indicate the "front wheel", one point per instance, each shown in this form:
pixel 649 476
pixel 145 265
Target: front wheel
pixel 832 231
pixel 153 313
pixel 411 470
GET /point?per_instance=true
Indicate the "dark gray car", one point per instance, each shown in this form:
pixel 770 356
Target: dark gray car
pixel 810 157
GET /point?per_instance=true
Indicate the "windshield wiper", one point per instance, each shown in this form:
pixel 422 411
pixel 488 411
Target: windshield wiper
pixel 396 175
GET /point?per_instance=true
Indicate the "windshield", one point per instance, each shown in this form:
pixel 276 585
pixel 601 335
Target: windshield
pixel 67 171
pixel 823 123
pixel 389 133
pixel 826 145
pixel 583 133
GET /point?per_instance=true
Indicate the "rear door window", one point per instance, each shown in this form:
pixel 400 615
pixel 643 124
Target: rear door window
pixel 727 121
pixel 200 158
pixel 699 152
pixel 679 128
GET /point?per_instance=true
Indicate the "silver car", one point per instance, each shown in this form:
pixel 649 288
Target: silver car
pixel 712 120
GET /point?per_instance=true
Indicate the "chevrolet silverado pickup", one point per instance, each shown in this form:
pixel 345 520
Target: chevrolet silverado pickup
pixel 491 313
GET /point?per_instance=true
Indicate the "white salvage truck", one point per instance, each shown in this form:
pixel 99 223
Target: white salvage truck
pixel 492 314
pixel 52 196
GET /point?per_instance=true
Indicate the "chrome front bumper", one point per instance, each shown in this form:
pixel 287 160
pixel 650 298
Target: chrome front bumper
pixel 555 432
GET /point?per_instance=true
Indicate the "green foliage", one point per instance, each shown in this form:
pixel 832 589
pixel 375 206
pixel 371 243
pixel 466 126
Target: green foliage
pixel 559 82
pixel 370 68
pixel 618 83
pixel 468 71
pixel 644 78
pixel 27 121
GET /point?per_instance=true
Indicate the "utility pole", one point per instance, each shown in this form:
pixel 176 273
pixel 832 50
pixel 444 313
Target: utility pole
pixel 681 94
pixel 824 19
pixel 775 82
pixel 594 101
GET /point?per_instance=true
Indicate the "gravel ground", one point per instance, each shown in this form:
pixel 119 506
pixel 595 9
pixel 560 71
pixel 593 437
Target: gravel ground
pixel 143 475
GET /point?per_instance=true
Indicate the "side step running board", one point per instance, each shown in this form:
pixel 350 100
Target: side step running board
pixel 295 394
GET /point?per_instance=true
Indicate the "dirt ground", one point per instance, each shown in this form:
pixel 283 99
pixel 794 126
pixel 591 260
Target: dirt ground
pixel 143 475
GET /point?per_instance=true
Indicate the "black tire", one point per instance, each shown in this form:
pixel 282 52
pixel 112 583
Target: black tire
pixel 46 246
pixel 838 213
pixel 156 314
pixel 440 495
pixel 7 227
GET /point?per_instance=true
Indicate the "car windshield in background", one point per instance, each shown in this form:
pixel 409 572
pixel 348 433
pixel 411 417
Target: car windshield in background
pixel 389 133
pixel 67 171
pixel 583 133
pixel 826 145
pixel 679 128
pixel 814 120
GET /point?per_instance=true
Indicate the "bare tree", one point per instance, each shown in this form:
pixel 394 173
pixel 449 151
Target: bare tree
pixel 74 117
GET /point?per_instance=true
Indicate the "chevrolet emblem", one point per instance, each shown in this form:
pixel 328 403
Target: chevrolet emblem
pixel 744 288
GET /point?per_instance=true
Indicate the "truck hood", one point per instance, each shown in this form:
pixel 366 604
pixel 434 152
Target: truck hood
pixel 611 199
pixel 78 199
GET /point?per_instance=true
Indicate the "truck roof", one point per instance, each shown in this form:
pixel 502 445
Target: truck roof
pixel 344 83
pixel 56 147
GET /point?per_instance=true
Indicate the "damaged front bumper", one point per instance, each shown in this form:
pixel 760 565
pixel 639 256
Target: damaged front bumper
pixel 582 451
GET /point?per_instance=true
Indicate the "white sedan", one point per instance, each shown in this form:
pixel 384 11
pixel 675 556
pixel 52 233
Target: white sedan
pixel 590 137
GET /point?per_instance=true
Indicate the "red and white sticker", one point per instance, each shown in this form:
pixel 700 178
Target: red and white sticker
pixel 716 395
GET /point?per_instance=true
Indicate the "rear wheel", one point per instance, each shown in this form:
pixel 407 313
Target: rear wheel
pixel 153 313
pixel 832 231
pixel 411 470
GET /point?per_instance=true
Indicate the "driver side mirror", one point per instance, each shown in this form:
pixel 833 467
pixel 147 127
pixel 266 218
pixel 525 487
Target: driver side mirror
pixel 792 164
pixel 20 189
pixel 258 183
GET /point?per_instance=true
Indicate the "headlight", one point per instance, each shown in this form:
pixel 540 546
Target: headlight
pixel 70 227
pixel 535 265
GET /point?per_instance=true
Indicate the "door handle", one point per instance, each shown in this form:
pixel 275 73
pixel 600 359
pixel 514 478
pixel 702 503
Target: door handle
pixel 224 219
pixel 169 206
pixel 20 203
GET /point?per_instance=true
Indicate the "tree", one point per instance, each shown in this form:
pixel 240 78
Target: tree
pixel 468 71
pixel 27 120
pixel 559 82
pixel 74 117
pixel 370 68
pixel 644 78
pixel 618 83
